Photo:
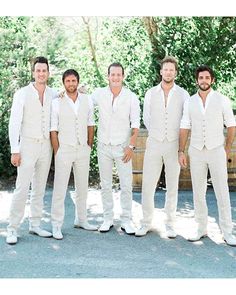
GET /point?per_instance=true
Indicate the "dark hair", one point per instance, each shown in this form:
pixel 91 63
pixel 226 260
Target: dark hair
pixel 204 68
pixel 70 72
pixel 41 60
pixel 170 59
pixel 116 64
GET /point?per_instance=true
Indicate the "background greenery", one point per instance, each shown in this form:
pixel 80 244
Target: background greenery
pixel 90 44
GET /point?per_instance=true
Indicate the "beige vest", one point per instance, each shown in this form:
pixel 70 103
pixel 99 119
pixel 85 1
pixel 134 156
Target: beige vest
pixel 36 118
pixel 207 129
pixel 72 128
pixel 165 121
pixel 114 124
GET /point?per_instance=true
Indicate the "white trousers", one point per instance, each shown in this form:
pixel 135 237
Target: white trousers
pixel 36 157
pixel 155 155
pixel 216 161
pixel 67 157
pixel 107 155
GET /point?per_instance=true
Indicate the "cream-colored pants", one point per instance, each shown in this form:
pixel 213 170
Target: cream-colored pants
pixel 216 161
pixel 67 157
pixel 156 154
pixel 107 155
pixel 36 157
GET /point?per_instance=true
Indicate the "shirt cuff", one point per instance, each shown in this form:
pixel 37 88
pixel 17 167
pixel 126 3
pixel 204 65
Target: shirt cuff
pixel 15 150
pixel 135 125
pixel 54 129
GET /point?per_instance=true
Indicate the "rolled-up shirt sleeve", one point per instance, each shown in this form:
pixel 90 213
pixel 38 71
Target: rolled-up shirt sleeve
pixel 146 109
pixel 91 121
pixel 186 121
pixel 15 121
pixel 135 112
pixel 54 115
pixel 229 119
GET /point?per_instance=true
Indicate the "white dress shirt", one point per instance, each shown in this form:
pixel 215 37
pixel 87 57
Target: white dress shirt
pixel 147 104
pixel 229 119
pixel 75 107
pixel 17 113
pixel 134 109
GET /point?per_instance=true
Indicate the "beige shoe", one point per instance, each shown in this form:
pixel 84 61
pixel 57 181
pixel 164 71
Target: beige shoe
pixel 85 225
pixel 128 228
pixel 36 230
pixel 230 240
pixel 200 234
pixel 56 233
pixel 106 226
pixel 142 231
pixel 11 237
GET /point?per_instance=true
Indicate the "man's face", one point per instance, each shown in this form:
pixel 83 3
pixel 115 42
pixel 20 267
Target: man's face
pixel 204 81
pixel 41 73
pixel 71 84
pixel 115 77
pixel 168 72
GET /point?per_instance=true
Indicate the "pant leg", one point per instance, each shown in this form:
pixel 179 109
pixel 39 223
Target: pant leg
pixel 39 183
pixel 63 164
pixel 172 170
pixel 152 167
pixel 219 176
pixel 199 169
pixel 81 174
pixel 125 176
pixel 105 163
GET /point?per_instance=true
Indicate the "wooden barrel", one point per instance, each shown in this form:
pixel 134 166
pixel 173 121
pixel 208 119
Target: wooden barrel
pixel 137 160
pixel 185 176
pixel 231 166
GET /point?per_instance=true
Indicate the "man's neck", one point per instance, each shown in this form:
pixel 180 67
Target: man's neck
pixel 167 86
pixel 116 91
pixel 203 94
pixel 40 86
pixel 73 96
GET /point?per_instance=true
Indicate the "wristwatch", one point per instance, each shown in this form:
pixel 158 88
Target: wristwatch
pixel 132 147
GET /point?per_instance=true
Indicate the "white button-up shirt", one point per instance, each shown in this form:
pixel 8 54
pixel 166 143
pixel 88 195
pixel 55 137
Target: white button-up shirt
pixel 147 104
pixel 17 113
pixel 75 107
pixel 229 120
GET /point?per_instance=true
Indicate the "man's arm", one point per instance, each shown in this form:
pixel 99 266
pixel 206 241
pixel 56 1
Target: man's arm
pixel 54 141
pixel 90 135
pixel 128 152
pixel 229 139
pixel 183 137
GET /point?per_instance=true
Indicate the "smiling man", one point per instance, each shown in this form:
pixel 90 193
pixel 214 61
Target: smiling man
pixel 72 131
pixel 31 149
pixel 206 113
pixel 163 108
pixel 119 117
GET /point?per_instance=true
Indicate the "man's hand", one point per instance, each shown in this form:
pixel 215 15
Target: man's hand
pixel 128 153
pixel 227 150
pixel 16 159
pixel 183 160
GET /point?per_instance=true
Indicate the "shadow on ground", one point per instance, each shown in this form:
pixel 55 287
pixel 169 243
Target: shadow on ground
pixel 84 254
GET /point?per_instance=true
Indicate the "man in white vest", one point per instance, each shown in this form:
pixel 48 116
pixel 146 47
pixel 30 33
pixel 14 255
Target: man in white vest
pixel 206 113
pixel 72 132
pixel 119 112
pixel 31 149
pixel 163 109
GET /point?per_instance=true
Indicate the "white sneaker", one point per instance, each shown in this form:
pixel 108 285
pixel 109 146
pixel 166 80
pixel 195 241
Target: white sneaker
pixel 230 240
pixel 85 225
pixel 128 228
pixel 170 233
pixel 11 237
pixel 36 230
pixel 106 226
pixel 198 236
pixel 142 231
pixel 56 233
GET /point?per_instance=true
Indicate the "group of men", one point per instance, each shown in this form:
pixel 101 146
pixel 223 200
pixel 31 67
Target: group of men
pixel 41 120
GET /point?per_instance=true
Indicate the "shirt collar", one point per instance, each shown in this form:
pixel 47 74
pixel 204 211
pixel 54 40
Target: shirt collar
pixel 159 88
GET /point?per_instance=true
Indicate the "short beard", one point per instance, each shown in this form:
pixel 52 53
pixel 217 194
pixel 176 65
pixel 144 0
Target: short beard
pixel 168 82
pixel 204 89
